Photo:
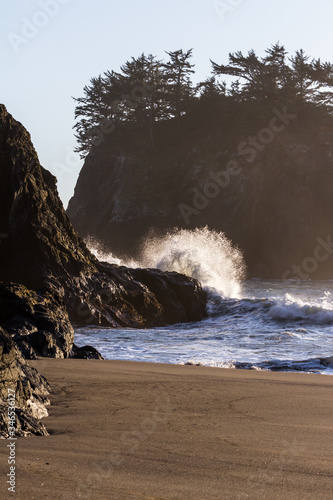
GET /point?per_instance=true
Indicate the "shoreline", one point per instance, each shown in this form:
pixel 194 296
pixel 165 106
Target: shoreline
pixel 327 370
pixel 133 430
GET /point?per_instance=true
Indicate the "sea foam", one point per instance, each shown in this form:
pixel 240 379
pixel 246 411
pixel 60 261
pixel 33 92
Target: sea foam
pixel 202 253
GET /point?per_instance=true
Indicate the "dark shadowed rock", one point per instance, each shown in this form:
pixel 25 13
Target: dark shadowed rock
pixel 85 352
pixel 171 291
pixel 42 251
pixel 37 321
pixel 30 390
pixel 273 203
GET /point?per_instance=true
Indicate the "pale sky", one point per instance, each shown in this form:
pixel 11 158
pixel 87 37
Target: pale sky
pixel 51 48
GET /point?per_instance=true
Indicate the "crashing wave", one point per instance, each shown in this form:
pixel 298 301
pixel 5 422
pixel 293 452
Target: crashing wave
pixel 201 253
pixel 287 309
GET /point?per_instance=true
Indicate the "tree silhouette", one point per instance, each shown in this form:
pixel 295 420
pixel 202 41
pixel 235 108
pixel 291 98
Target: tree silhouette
pixel 277 78
pixel 147 90
pixel 178 85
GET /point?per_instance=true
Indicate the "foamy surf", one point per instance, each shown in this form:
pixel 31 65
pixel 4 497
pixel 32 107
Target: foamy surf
pixel 292 309
pixel 203 254
pixel 256 325
pixel 212 259
pixel 285 309
pixel 322 366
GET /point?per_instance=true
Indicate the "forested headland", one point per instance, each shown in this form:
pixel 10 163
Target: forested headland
pixel 157 99
pixel 248 152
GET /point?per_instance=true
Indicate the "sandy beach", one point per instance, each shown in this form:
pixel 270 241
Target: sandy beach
pixel 122 430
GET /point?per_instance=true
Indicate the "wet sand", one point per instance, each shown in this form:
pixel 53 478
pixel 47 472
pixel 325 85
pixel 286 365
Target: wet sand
pixel 122 430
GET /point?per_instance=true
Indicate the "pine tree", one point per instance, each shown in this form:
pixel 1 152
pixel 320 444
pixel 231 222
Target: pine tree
pixel 93 112
pixel 148 90
pixel 247 68
pixel 153 84
pixel 323 73
pixel 277 74
pixel 210 89
pixel 177 82
pixel 275 78
pixel 302 76
pixel 142 92
pixel 113 84
pixel 134 95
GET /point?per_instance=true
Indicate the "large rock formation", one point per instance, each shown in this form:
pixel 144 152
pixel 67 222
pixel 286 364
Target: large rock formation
pixel 273 202
pixel 48 277
pixel 37 321
pixel 41 251
pixel 23 393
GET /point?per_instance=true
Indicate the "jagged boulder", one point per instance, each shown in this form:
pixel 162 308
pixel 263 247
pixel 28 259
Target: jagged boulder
pixel 23 393
pixel 85 352
pixel 41 251
pixel 37 321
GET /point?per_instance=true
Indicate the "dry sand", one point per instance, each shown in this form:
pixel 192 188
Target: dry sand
pixel 121 430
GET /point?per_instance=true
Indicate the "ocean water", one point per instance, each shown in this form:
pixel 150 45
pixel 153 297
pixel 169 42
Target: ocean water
pixel 251 324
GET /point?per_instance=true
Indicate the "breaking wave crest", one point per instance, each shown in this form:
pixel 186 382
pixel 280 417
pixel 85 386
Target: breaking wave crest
pixel 286 309
pixel 202 253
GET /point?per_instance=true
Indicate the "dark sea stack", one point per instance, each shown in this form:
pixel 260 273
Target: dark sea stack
pixel 41 250
pixel 274 205
pixel 30 389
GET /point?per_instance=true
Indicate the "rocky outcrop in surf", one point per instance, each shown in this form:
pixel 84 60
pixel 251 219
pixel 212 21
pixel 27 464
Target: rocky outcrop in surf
pixel 41 251
pixel 271 197
pixel 48 279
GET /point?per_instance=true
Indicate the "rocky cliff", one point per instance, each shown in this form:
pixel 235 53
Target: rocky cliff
pixel 41 251
pixel 268 188
pixel 48 279
pixel 36 320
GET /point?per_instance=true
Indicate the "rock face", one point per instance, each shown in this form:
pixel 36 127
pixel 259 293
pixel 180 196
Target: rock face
pixel 85 352
pixel 41 251
pixel 273 204
pixel 21 383
pixel 37 321
pixel 48 278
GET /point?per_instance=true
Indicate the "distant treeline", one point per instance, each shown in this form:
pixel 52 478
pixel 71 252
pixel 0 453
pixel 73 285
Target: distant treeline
pixel 148 90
